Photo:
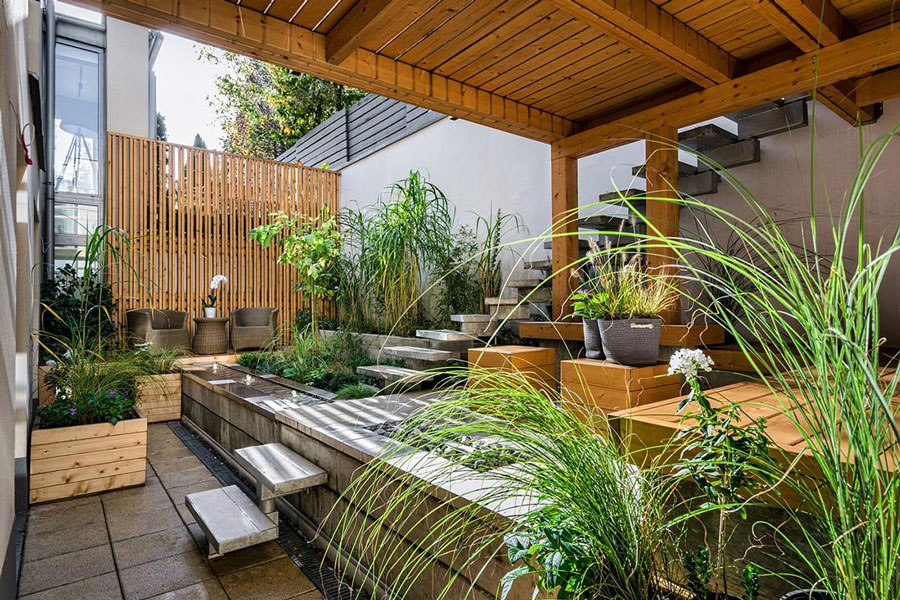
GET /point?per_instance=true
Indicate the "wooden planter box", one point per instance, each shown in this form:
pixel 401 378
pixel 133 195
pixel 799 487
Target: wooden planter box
pixel 593 388
pixel 537 364
pixel 159 397
pixel 86 459
pixel 46 394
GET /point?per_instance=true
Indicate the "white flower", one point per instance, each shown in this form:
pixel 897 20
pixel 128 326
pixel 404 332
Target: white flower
pixel 689 362
pixel 217 281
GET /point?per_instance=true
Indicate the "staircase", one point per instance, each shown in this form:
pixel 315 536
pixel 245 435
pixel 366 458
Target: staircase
pixel 229 518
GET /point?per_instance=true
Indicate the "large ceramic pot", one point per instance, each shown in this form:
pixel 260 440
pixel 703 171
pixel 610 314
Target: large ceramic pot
pixel 808 595
pixel 631 342
pixel 591 339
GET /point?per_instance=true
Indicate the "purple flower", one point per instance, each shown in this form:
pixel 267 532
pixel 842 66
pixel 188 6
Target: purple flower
pixel 73 411
pixel 112 392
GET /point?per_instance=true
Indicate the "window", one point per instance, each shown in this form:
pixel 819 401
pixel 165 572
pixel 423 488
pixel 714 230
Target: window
pixel 79 135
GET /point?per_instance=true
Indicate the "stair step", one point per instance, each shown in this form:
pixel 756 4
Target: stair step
pixel 741 153
pixel 476 325
pixel 605 222
pixel 414 353
pixel 684 170
pixel 538 265
pixel 389 374
pixel 471 318
pixel 501 301
pixel 442 335
pixel 706 137
pixel 634 196
pixel 279 469
pixel 528 284
pixel 774 119
pixel 230 520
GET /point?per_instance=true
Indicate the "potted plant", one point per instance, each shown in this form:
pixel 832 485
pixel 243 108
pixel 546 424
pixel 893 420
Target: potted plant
pixel 209 303
pixel 626 302
pixel 89 438
pixel 586 305
pixel 727 460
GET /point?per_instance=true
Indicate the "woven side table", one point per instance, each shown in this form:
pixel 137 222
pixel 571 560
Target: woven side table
pixel 210 335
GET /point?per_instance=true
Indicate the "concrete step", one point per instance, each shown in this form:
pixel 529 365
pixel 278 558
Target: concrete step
pixel 507 308
pixel 771 119
pixel 230 520
pixel 684 170
pixel 279 470
pixel 422 354
pixel 741 153
pixel 388 375
pixel 605 222
pixel 538 265
pixel 528 284
pixel 476 325
pixel 706 137
pixel 442 335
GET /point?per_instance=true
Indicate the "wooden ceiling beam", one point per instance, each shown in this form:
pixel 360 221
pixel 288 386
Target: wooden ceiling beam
pixel 851 58
pixel 651 31
pixel 878 87
pixel 360 23
pixel 809 25
pixel 231 27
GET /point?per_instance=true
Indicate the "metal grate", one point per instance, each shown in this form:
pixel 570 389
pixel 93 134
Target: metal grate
pixel 317 568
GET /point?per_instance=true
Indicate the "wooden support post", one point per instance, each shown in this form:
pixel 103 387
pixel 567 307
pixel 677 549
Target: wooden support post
pixel 564 185
pixel 662 183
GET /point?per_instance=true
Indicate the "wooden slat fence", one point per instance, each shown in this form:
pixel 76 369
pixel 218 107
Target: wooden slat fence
pixel 188 212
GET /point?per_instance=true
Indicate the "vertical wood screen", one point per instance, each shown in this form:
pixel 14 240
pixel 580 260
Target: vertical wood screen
pixel 188 212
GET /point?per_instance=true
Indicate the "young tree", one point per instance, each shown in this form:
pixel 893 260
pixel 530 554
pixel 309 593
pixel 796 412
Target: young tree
pixel 162 132
pixel 263 109
pixel 198 142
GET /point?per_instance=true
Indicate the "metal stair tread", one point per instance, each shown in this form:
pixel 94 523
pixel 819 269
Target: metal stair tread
pixel 281 470
pixel 230 520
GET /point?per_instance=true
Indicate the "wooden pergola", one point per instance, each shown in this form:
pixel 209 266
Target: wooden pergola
pixel 582 75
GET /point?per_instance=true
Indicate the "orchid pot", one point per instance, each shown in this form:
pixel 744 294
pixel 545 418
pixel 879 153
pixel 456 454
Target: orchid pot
pixel 209 312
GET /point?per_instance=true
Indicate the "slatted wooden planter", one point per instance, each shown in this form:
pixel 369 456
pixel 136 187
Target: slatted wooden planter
pixel 538 364
pixel 594 388
pixel 86 459
pixel 159 397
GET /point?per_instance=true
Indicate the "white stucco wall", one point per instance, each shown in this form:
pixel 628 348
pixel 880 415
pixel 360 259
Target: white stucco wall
pixel 127 80
pixel 480 169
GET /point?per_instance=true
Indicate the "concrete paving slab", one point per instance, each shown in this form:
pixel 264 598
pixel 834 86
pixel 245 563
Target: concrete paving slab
pixel 67 568
pixel 101 587
pixel 210 589
pixel 164 575
pixel 62 541
pixel 275 580
pixel 153 546
pixel 141 522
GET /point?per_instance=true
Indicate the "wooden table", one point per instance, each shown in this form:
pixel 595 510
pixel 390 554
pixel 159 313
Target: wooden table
pixel 210 335
pixel 672 335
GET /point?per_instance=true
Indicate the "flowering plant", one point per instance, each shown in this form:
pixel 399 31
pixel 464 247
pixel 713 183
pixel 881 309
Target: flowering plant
pixel 215 282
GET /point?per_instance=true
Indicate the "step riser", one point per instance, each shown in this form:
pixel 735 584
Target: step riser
pixel 541 295
pixel 522 311
pixel 479 329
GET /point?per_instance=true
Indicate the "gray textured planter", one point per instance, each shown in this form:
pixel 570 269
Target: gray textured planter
pixel 807 595
pixel 631 342
pixel 591 339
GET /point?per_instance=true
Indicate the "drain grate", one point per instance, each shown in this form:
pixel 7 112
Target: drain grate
pixel 317 568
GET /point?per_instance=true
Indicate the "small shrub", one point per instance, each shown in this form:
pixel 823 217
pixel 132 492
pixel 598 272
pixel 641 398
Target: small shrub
pixel 357 390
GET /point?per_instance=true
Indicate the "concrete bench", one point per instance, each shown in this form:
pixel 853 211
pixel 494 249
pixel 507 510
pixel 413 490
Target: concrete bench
pixel 230 520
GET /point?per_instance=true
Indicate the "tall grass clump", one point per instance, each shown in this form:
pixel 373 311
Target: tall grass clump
pixel 572 515
pixel 818 322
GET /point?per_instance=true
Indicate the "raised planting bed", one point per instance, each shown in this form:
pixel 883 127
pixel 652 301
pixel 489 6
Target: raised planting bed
pixel 46 394
pixel 159 397
pixel 86 459
pixel 342 437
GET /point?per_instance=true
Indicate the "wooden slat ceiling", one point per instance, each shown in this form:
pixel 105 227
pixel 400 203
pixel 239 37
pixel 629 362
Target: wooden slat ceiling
pixel 546 69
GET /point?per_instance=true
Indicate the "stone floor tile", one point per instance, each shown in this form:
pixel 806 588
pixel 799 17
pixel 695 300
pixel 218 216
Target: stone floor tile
pixel 64 540
pixel 164 575
pixel 206 590
pixel 182 478
pixel 132 524
pixel 275 580
pixel 61 515
pixel 163 452
pixel 248 557
pixel 102 587
pixel 153 497
pixel 311 595
pixel 62 569
pixel 147 488
pixel 153 546
pixel 176 464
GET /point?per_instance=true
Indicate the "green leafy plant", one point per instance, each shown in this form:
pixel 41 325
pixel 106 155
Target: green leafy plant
pixel 312 247
pixel 213 297
pixel 698 571
pixel 356 390
pixel 726 458
pixel 588 523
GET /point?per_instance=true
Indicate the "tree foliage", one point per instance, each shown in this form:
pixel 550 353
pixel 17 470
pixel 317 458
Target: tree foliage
pixel 263 109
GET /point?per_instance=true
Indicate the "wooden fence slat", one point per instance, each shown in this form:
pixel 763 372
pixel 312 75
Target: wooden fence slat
pixel 188 213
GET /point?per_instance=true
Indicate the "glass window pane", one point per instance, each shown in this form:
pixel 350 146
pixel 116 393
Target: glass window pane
pixel 75 219
pixel 77 122
pixel 68 255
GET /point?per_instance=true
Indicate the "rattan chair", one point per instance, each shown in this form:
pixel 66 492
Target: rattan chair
pixel 253 327
pixel 161 328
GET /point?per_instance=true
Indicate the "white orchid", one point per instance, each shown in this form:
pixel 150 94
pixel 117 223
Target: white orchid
pixel 216 281
pixel 690 362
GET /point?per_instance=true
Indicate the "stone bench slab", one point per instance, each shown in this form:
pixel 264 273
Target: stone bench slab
pixel 279 470
pixel 230 520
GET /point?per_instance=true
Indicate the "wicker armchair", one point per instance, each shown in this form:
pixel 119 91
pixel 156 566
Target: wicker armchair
pixel 161 328
pixel 253 327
